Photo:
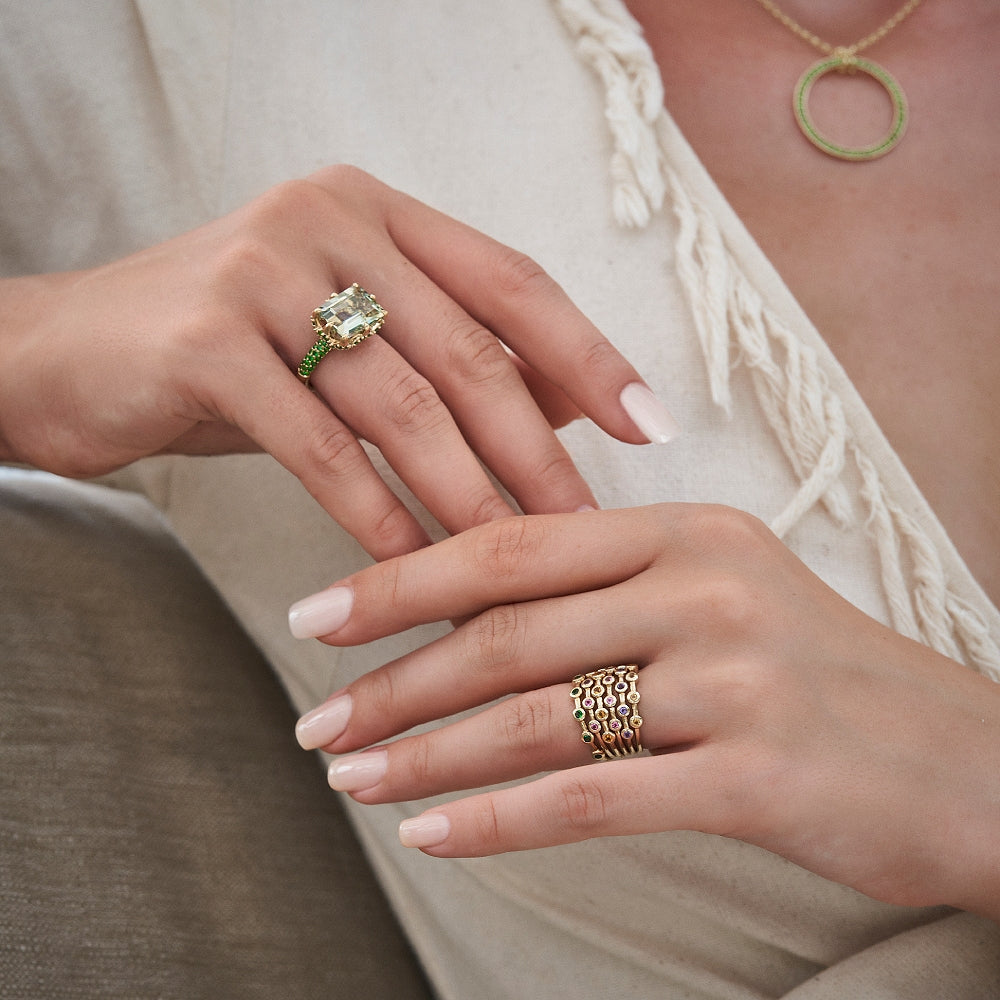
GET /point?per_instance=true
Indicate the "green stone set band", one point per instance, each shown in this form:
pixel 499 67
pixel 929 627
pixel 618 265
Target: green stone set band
pixel 340 323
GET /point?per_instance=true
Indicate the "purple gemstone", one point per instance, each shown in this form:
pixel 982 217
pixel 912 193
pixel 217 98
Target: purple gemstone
pixel 624 710
pixel 595 727
pixel 588 703
pixel 611 701
pixel 627 734
pixel 615 725
pixel 621 686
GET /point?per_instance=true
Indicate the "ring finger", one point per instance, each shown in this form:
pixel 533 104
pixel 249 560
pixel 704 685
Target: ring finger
pixel 384 400
pixel 519 737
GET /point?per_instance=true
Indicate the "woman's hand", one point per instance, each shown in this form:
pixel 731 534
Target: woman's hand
pixel 191 347
pixel 777 712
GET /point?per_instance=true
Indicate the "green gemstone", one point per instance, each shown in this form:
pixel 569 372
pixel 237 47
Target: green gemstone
pixel 345 320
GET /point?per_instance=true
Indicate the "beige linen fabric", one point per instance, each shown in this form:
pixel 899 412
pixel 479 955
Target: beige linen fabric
pixel 160 833
pixel 494 118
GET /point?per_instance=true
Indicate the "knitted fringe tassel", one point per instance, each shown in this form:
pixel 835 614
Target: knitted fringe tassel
pixel 808 420
pixel 735 327
pixel 610 42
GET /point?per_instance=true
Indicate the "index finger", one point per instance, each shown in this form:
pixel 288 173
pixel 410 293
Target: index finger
pixel 511 295
pixel 513 559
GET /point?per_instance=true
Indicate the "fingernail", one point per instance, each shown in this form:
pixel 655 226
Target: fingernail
pixel 321 613
pixel 428 830
pixel 359 771
pixel 648 413
pixel 324 724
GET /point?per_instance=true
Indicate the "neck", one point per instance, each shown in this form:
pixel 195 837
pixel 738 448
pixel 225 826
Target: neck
pixel 840 22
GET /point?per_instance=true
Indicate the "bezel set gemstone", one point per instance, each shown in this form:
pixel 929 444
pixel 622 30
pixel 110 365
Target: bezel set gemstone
pixel 605 701
pixel 345 319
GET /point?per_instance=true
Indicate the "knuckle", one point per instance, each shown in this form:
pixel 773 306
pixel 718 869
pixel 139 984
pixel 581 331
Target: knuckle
pixel 377 692
pixel 582 808
pixel 387 529
pixel 287 207
pixel 598 359
pixel 244 262
pixel 343 175
pixel 420 762
pixel 730 529
pixel 411 403
pixel 351 186
pixel 555 467
pixel 505 548
pixel 527 722
pixel 474 355
pixel 299 198
pixel 515 273
pixel 487 508
pixel 496 639
pixel 734 605
pixel 742 687
pixel 488 828
pixel 731 546
pixel 333 448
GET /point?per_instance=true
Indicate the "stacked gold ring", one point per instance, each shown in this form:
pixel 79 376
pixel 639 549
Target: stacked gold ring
pixel 606 704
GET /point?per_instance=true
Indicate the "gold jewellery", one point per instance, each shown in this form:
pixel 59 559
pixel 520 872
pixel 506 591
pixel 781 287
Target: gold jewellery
pixel 606 704
pixel 845 59
pixel 340 323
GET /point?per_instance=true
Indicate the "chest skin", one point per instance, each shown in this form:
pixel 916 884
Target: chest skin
pixel 897 260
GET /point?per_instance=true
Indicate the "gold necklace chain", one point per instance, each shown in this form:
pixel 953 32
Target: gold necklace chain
pixel 845 59
pixel 850 50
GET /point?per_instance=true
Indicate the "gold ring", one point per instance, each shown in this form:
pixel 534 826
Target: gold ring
pixel 606 704
pixel 341 322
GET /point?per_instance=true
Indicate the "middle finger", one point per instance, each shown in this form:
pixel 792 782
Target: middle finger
pixel 517 738
pixel 510 648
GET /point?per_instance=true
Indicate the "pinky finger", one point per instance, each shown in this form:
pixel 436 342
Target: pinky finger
pixel 615 798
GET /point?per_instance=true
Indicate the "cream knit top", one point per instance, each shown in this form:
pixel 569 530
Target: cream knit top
pixel 542 124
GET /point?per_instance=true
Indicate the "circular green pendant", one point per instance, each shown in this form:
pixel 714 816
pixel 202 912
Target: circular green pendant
pixel 835 64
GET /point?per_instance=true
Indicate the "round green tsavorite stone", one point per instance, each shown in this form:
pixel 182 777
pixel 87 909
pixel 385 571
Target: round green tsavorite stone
pixel 579 715
pixel 576 692
pixel 587 738
pixel 314 355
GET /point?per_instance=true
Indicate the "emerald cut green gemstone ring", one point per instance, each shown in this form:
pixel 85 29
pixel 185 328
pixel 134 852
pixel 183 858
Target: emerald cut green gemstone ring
pixel 340 323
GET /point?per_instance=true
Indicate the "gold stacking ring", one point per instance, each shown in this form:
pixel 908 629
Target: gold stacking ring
pixel 606 704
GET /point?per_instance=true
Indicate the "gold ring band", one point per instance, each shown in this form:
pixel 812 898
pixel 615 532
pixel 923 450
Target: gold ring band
pixel 341 322
pixel 606 704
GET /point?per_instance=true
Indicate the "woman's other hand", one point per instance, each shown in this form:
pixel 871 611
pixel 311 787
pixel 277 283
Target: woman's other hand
pixel 777 713
pixel 192 347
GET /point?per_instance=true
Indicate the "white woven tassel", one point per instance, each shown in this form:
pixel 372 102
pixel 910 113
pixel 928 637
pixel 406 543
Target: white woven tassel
pixel 735 326
pixel 609 40
pixel 926 611
pixel 702 267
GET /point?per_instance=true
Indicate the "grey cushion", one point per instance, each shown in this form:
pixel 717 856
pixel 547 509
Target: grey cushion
pixel 161 834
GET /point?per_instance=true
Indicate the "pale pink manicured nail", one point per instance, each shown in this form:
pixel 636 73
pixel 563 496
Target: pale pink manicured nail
pixel 428 830
pixel 324 724
pixel 648 413
pixel 321 613
pixel 359 771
